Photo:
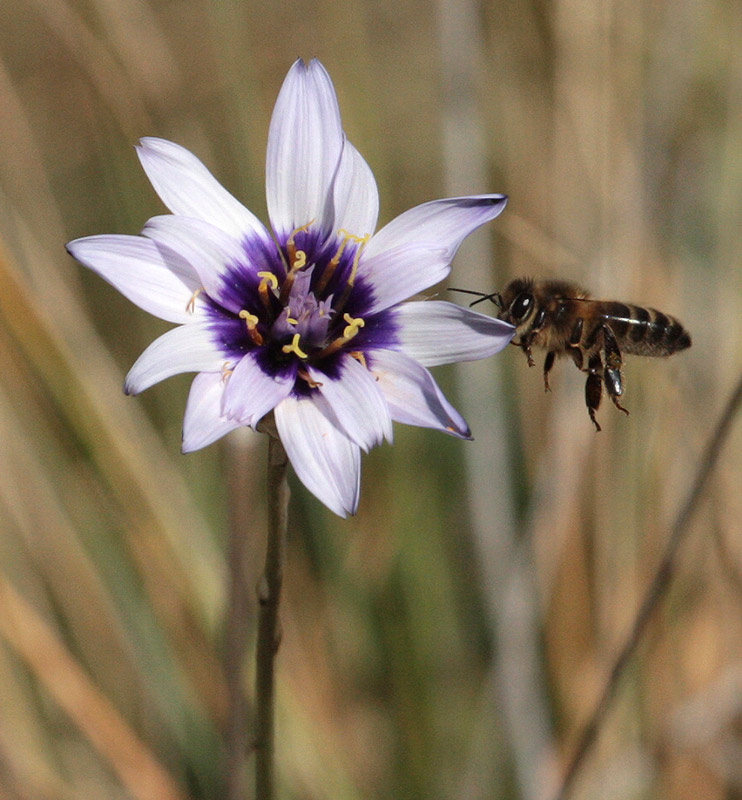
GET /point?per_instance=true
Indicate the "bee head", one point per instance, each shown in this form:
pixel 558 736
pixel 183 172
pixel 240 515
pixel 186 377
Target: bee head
pixel 517 301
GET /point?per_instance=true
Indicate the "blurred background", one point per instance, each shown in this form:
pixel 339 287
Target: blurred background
pixel 452 639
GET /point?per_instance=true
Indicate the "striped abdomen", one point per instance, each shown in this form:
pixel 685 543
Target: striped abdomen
pixel 643 331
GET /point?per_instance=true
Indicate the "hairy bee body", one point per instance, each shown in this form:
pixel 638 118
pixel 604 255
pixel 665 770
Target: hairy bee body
pixel 562 318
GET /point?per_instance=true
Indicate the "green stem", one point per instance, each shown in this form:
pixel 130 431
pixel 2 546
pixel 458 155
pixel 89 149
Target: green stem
pixel 269 595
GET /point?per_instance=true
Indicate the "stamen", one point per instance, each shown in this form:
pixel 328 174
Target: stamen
pixel 297 259
pixel 292 320
pixel 252 326
pixel 333 264
pixel 362 241
pixel 329 270
pixel 353 326
pixel 360 358
pixel 269 278
pixel 268 282
pixel 291 243
pixel 191 307
pixel 251 319
pixel 294 347
pixel 305 376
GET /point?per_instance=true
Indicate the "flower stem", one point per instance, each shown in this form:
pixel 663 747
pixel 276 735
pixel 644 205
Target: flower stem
pixel 240 616
pixel 269 595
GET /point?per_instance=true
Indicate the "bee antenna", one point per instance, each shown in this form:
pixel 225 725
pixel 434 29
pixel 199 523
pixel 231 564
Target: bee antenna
pixel 482 296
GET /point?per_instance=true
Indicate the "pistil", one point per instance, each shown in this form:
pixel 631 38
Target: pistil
pixel 294 347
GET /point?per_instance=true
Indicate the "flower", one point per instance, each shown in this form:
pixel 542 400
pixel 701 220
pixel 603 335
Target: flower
pixel 305 320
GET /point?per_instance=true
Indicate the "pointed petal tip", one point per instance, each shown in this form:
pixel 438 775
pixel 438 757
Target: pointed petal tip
pixel 459 433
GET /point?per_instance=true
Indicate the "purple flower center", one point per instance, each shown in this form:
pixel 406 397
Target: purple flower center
pixel 301 305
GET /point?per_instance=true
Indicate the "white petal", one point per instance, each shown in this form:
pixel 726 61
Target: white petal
pixel 208 249
pixel 186 187
pixel 436 332
pixel 251 394
pixel 324 459
pixel 412 394
pixel 355 194
pixel 403 271
pixel 304 145
pixel 203 422
pixel 445 223
pixel 156 279
pixel 187 348
pixel 357 402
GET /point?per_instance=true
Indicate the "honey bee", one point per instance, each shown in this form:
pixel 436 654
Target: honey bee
pixel 562 318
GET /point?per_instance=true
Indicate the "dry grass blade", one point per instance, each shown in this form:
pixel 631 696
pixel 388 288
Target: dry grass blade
pixel 56 669
pixel 657 588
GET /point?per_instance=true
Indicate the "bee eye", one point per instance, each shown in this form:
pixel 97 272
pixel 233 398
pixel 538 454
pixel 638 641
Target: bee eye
pixel 520 307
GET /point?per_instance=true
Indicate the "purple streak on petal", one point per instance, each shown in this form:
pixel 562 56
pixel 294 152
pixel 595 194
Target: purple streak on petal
pixel 251 392
pixel 381 331
pixel 304 145
pixel 357 402
pixel 187 188
pixel 444 223
pixel 436 332
pixel 413 395
pixel 187 348
pixel 203 422
pixel 355 196
pixel 324 459
pixel 155 278
pixel 230 334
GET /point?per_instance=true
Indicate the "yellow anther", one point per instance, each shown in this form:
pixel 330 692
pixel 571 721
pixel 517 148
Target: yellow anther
pixel 353 238
pixel 353 326
pixel 300 229
pixel 297 259
pixel 252 326
pixel 226 371
pixel 268 282
pixel 251 319
pixel 292 320
pixel 294 347
pixel 268 279
pixel 191 307
pixel 362 241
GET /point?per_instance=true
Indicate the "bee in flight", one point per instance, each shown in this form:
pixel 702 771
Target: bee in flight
pixel 561 318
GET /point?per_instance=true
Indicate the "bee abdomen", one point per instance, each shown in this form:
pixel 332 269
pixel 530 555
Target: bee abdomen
pixel 645 331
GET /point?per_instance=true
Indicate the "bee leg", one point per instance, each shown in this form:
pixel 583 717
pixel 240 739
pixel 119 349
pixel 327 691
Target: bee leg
pixel 548 364
pixel 526 347
pixel 576 354
pixel 612 375
pixel 594 387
